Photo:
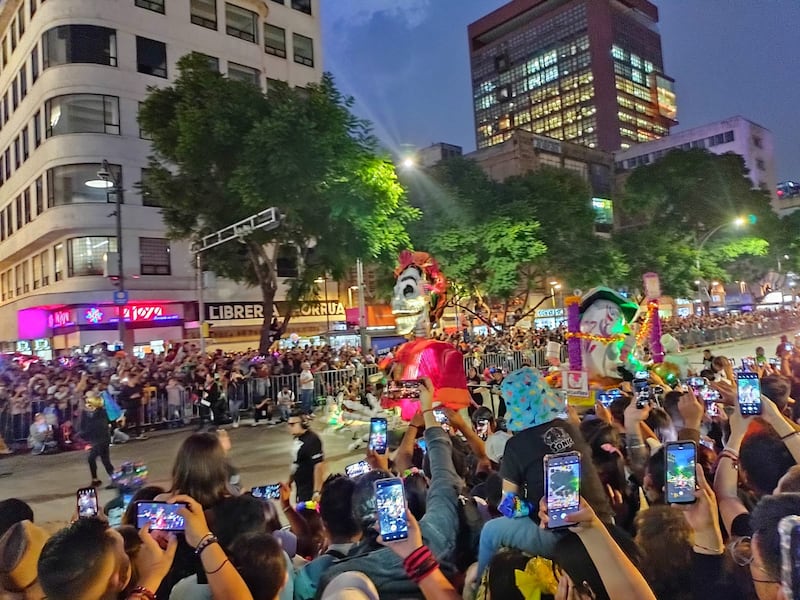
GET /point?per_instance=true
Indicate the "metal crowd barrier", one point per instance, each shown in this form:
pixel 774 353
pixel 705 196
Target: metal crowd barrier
pixel 15 419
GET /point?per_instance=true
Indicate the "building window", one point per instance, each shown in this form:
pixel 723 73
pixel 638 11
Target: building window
pixel 26 205
pixel 728 136
pixel 213 61
pixel 148 198
pixel 9 220
pixel 142 132
pixel 4 53
pixel 151 57
pixel 69 44
pixel 154 5
pixel 37 129
pixel 286 262
pixel 25 147
pixel 8 162
pixel 43 261
pixel 58 261
pixel 274 40
pixel 154 256
pixel 760 165
pixel 2 225
pixel 3 286
pixel 82 113
pixel 66 184
pixel 243 73
pixel 18 211
pixel 39 195
pixel 6 112
pixel 86 255
pixel 34 64
pixel 757 142
pixel 18 279
pixel 32 5
pixel 13 36
pixel 302 6
pixel 204 13
pixel 14 95
pixel 21 20
pixel 17 157
pixel 23 82
pixel 241 23
pixel 37 272
pixel 303 49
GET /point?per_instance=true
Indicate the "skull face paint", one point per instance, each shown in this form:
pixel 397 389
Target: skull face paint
pixel 409 305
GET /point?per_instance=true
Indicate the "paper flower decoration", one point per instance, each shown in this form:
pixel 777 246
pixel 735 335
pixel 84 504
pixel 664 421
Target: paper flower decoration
pixel 536 579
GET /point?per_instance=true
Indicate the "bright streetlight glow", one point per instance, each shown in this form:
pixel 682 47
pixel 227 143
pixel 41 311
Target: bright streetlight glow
pixel 409 162
pixel 740 221
pixel 99 184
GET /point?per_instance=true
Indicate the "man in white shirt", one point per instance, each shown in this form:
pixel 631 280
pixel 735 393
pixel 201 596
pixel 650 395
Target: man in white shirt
pixel 285 402
pixel 307 389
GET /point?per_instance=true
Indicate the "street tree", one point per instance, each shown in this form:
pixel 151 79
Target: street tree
pixel 223 151
pixel 679 217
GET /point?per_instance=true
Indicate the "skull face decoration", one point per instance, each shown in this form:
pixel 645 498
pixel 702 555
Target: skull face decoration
pixel 419 294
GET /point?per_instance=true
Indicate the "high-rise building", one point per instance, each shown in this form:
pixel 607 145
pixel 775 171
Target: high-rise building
pixel 585 71
pixel 72 76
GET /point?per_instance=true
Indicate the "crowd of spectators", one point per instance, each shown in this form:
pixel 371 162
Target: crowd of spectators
pixel 477 511
pixel 727 319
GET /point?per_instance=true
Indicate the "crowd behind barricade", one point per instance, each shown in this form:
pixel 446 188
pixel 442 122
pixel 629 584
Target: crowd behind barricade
pixel 717 328
pixel 663 492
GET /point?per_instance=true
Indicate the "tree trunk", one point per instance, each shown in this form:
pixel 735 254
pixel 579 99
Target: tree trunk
pixel 267 280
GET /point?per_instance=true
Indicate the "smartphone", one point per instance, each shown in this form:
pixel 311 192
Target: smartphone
pixel 606 397
pixel 357 469
pixel 641 389
pixel 562 473
pixel 390 501
pixel 775 362
pixel 162 516
pixel 680 474
pixel 696 383
pixel 87 502
pixel 422 445
pixel 748 364
pixel 377 435
pixel 748 393
pixel 787 347
pixel 441 418
pixel 407 389
pixel 267 492
pixel 789 530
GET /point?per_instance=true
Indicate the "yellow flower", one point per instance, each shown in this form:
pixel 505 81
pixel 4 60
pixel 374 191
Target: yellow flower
pixel 536 579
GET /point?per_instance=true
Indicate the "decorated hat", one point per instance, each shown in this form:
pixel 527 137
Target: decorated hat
pixel 20 548
pixel 629 309
pixel 530 401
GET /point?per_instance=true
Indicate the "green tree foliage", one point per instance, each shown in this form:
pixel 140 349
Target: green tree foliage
pixel 224 151
pixel 671 206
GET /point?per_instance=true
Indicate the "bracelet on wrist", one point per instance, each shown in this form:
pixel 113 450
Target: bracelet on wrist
pixel 142 591
pixel 419 564
pixel 207 540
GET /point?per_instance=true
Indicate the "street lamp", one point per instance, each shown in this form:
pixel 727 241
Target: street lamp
pixel 106 180
pixel 737 222
pixel 554 285
pixel 409 162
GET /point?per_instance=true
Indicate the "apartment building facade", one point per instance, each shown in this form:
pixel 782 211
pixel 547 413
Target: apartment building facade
pixel 72 76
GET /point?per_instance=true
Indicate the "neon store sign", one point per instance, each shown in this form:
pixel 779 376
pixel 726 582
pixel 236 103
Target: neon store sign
pixel 60 318
pixel 140 313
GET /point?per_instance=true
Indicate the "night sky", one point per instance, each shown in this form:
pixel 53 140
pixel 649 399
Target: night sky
pixel 407 64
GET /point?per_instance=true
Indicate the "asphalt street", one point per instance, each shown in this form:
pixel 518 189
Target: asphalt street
pixel 262 454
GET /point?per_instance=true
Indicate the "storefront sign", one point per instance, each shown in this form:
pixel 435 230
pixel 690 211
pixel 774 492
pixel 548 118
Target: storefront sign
pixel 24 346
pixel 544 313
pixel 240 311
pixel 60 318
pixel 41 345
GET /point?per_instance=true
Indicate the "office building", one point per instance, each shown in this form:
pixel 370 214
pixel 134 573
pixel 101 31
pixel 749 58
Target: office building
pixel 741 136
pixel 72 76
pixel 584 71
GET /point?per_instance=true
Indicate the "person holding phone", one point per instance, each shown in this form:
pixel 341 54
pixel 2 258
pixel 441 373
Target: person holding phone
pixel 534 416
pixel 441 520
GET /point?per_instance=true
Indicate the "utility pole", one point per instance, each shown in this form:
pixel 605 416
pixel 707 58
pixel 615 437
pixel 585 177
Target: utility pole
pixel 362 307
pixel 266 220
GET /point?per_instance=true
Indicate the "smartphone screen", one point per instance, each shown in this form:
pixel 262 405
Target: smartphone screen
pixel 357 469
pixel 161 516
pixel 267 492
pixel 641 389
pixel 680 473
pixel 377 435
pixel 390 501
pixel 87 502
pixel 422 445
pixel 563 487
pixel 441 418
pixel 748 393
pixel 774 362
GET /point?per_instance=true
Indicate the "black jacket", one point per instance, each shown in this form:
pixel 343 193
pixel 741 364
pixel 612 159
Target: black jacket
pixel 94 427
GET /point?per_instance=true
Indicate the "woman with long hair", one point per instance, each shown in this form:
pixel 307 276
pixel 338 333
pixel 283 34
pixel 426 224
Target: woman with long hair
pixel 201 470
